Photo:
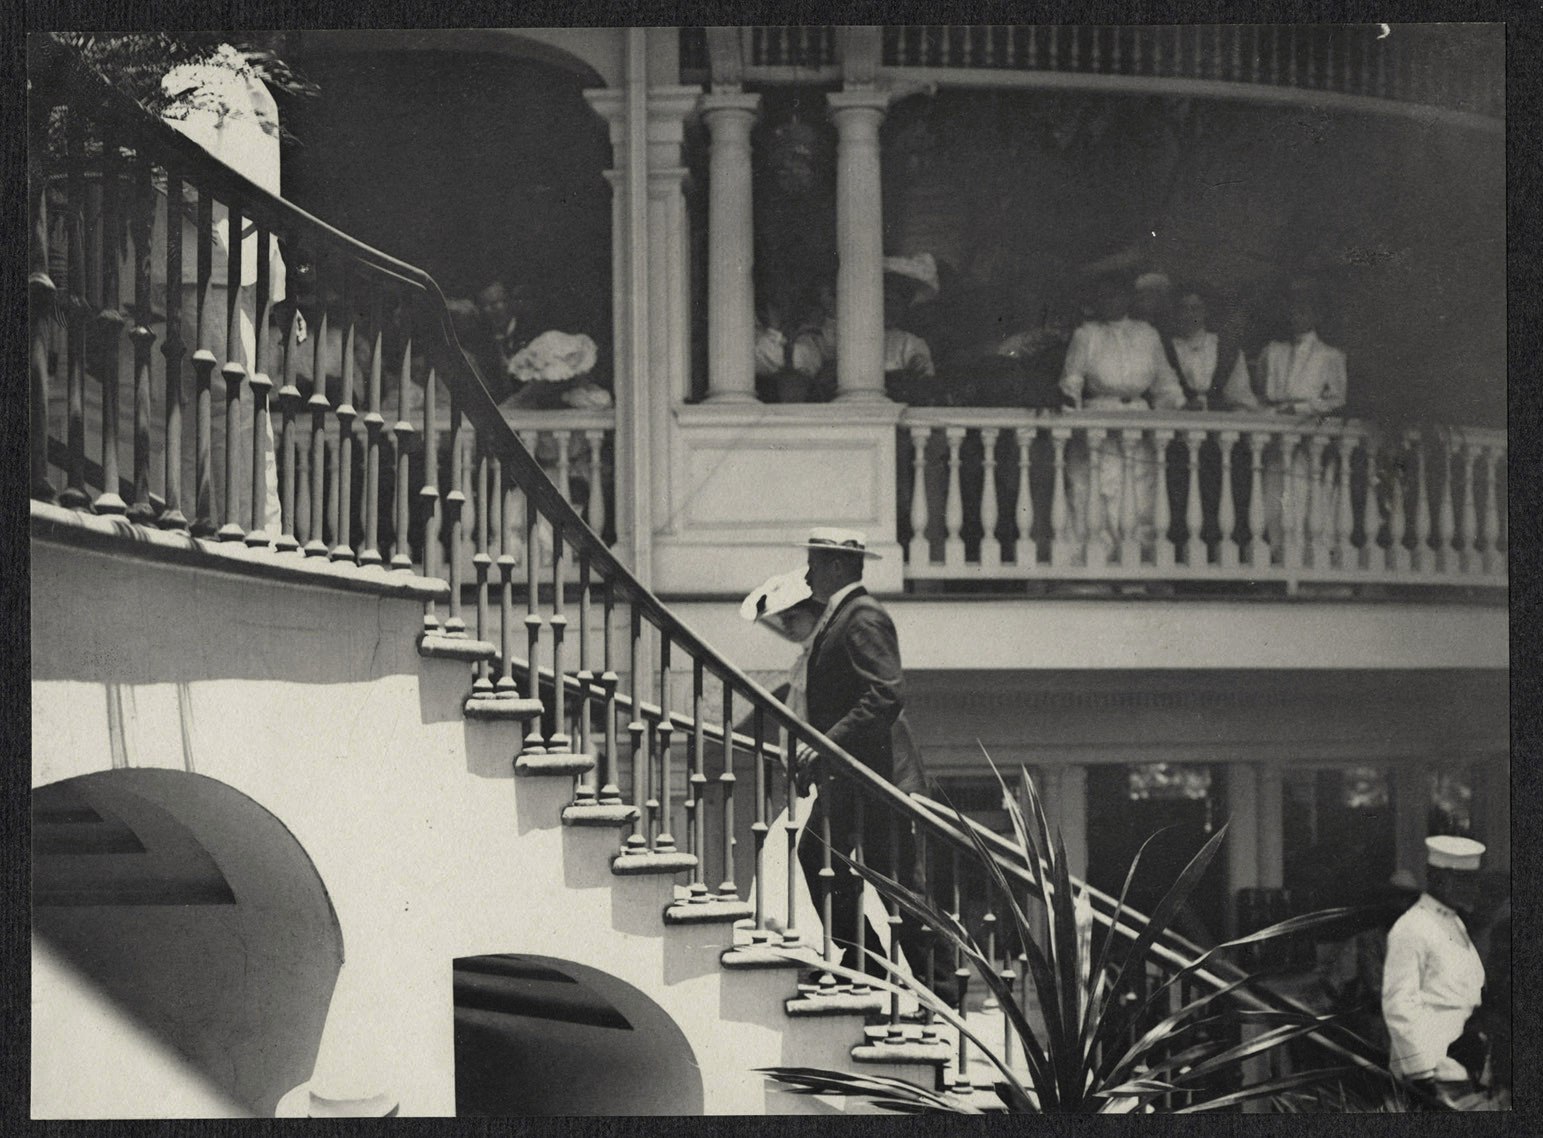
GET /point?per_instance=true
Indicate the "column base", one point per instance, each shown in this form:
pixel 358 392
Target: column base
pixel 303 1102
pixel 740 397
pixel 863 395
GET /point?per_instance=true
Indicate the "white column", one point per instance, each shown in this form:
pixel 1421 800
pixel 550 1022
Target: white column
pixel 1271 864
pixel 859 245
pixel 668 298
pixel 1068 806
pixel 730 292
pixel 1242 833
pixel 351 1078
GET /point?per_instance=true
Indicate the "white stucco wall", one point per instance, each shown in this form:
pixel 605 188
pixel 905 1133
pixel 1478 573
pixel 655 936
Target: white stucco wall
pixel 315 704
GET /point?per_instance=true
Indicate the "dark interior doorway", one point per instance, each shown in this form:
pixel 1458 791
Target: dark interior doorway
pixel 1127 804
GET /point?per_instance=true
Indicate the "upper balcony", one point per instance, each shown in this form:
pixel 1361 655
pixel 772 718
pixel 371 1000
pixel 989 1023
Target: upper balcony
pixel 1408 68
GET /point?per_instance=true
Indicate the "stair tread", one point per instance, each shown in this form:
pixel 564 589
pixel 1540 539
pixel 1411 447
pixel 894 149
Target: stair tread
pixel 503 707
pixel 709 911
pixel 438 646
pixel 837 1003
pixel 553 764
pixel 651 861
pixel 599 814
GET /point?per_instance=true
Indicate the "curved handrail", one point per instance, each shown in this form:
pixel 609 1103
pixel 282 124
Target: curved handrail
pixel 475 400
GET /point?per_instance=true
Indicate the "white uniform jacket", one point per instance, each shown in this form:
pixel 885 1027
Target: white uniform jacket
pixel 1431 982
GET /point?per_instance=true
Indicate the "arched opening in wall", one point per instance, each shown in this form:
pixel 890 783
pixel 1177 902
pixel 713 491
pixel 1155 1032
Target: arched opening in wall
pixel 473 165
pixel 173 915
pixel 539 1036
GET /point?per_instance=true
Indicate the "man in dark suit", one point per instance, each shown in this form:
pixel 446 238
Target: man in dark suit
pixel 856 697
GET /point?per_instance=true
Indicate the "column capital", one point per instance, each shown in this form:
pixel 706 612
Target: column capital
pixel 716 103
pixel 610 103
pixel 874 100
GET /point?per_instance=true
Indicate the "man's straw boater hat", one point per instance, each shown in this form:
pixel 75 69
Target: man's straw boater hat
pixel 839 541
pixel 1446 851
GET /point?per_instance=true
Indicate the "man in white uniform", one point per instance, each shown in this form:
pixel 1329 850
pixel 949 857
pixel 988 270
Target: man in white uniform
pixel 1433 977
pixel 1115 363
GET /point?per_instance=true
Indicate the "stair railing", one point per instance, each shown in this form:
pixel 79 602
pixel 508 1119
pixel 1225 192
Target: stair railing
pixel 379 494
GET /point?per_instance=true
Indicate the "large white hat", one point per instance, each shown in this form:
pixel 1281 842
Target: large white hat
pixel 839 541
pixel 921 268
pixel 776 595
pixel 1446 851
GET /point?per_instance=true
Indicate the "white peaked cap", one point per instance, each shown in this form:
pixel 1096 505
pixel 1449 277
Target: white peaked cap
pixel 1445 851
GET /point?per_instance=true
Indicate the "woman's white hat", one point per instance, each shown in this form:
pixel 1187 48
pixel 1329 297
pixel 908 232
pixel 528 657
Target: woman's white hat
pixel 776 595
pixel 839 541
pixel 922 269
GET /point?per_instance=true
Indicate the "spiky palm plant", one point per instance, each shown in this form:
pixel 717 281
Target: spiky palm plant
pixel 1080 1060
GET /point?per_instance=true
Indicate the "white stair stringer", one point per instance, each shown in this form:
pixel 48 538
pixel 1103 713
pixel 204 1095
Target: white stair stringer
pixel 552 892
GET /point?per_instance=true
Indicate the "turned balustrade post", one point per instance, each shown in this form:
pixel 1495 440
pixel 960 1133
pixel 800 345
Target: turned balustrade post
pixel 343 534
pixel 1344 512
pixel 584 794
pixel 1424 559
pixel 990 543
pixel 1398 552
pixel 234 373
pixel 43 300
pixel 859 921
pixel 1195 555
pixel 1371 522
pixel 918 550
pixel 962 1082
pixel 759 829
pixel 826 982
pixel 109 330
pixel 559 742
pixel 637 730
pixel 319 405
pixel 953 543
pixel 257 535
pixel 304 514
pixel 203 375
pixel 74 495
pixel 1292 497
pixel 1494 561
pixel 1162 516
pixel 482 563
pixel 791 936
pixel 402 432
pixel 534 743
pixel 728 888
pixel 374 423
pixel 455 510
pixel 606 761
pixel 1258 539
pixel 594 504
pixel 289 399
pixel 1060 538
pixel 506 686
pixel 1468 558
pixel 1097 549
pixel 1025 554
pixel 1445 560
pixel 141 225
pixel 1228 548
pixel 1130 541
pixel 696 794
pixel 1320 501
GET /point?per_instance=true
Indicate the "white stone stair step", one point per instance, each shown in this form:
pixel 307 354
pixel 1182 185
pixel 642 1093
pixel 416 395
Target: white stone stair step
pixel 652 862
pixel 710 910
pixel 545 764
pixel 501 708
pixel 437 646
pixel 600 815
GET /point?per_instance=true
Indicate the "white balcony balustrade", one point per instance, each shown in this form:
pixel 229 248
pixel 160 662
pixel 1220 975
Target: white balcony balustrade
pixel 1004 494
